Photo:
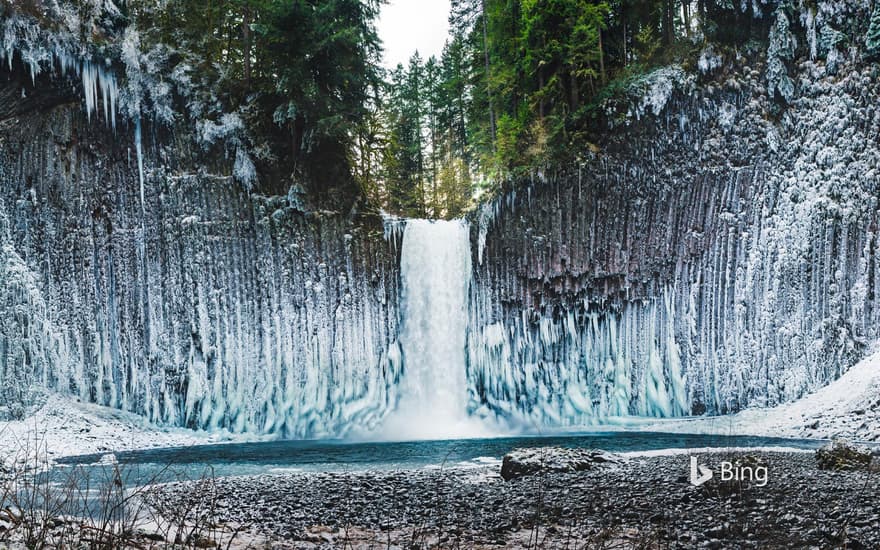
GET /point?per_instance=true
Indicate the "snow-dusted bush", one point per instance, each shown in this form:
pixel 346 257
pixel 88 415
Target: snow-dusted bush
pixel 646 94
pixel 872 40
pixel 781 50
pixel 244 170
pixel 709 60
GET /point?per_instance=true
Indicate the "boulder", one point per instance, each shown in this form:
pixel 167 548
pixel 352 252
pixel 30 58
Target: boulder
pixel 525 462
pixel 840 454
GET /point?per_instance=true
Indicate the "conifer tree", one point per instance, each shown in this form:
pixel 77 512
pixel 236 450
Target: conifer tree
pixel 872 41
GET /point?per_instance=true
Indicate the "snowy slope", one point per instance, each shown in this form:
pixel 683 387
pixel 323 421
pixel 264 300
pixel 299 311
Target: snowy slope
pixel 848 407
pixel 64 427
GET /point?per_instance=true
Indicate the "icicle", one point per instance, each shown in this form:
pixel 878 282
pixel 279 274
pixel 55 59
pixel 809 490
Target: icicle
pixel 110 93
pixel 96 79
pixel 89 77
pixel 138 146
pixel 393 227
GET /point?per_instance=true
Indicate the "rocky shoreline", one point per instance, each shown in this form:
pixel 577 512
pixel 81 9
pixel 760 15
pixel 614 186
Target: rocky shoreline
pixel 645 502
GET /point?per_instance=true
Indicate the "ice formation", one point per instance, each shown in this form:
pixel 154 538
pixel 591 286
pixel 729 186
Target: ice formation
pixel 97 78
pixel 28 339
pixel 580 366
pixel 98 82
pixel 461 376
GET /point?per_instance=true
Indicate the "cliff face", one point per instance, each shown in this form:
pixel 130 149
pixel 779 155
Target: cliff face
pixel 186 299
pixel 708 258
pixel 715 251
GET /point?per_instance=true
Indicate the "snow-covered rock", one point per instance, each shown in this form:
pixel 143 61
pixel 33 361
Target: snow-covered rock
pixel 526 462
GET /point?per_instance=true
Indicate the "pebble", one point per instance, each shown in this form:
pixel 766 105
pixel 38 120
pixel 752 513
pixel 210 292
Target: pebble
pixel 640 500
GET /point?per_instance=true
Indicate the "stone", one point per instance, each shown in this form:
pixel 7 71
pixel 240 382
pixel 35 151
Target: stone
pixel 203 542
pixel 843 455
pixel 526 462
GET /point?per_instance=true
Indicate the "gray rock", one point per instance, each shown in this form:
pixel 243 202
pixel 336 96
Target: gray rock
pixel 525 462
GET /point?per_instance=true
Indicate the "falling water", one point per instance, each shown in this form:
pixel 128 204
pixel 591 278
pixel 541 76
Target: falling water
pixel 435 279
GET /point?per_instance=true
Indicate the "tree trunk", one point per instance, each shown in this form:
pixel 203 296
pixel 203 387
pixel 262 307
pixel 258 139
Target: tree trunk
pixel 246 40
pixel 299 145
pixel 488 80
pixel 701 14
pixel 462 123
pixel 541 93
pixel 541 83
pixel 668 22
pixel 686 11
pixel 623 19
pixel 433 164
pixel 601 58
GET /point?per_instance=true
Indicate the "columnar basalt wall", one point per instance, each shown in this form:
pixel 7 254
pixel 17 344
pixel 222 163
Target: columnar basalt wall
pixel 201 305
pixel 719 255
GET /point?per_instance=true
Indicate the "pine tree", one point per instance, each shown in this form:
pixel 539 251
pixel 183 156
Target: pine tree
pixel 433 105
pixel 312 64
pixel 872 41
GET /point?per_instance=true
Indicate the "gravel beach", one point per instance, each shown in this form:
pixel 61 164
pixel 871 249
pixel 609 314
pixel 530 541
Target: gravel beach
pixel 646 502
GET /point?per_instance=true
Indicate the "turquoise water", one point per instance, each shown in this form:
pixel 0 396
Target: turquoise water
pixel 335 456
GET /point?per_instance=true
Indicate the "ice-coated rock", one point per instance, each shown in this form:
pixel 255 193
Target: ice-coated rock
pixel 185 299
pixel 691 268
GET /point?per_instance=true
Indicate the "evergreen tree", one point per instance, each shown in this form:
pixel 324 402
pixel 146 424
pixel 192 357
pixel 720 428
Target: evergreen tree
pixel 454 81
pixel 872 40
pixel 520 82
pixel 404 161
pixel 310 67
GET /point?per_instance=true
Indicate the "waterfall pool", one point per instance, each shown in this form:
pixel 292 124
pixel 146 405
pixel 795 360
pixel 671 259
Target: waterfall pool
pixel 231 459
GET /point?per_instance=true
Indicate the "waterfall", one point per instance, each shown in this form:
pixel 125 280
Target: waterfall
pixel 435 271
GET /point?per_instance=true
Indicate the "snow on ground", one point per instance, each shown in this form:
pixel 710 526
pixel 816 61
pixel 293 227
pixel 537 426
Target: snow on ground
pixel 701 450
pixel 848 407
pixel 64 427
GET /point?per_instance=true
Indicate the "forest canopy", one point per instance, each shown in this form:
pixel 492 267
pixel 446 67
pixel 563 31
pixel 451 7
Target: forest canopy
pixel 296 87
pixel 520 85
